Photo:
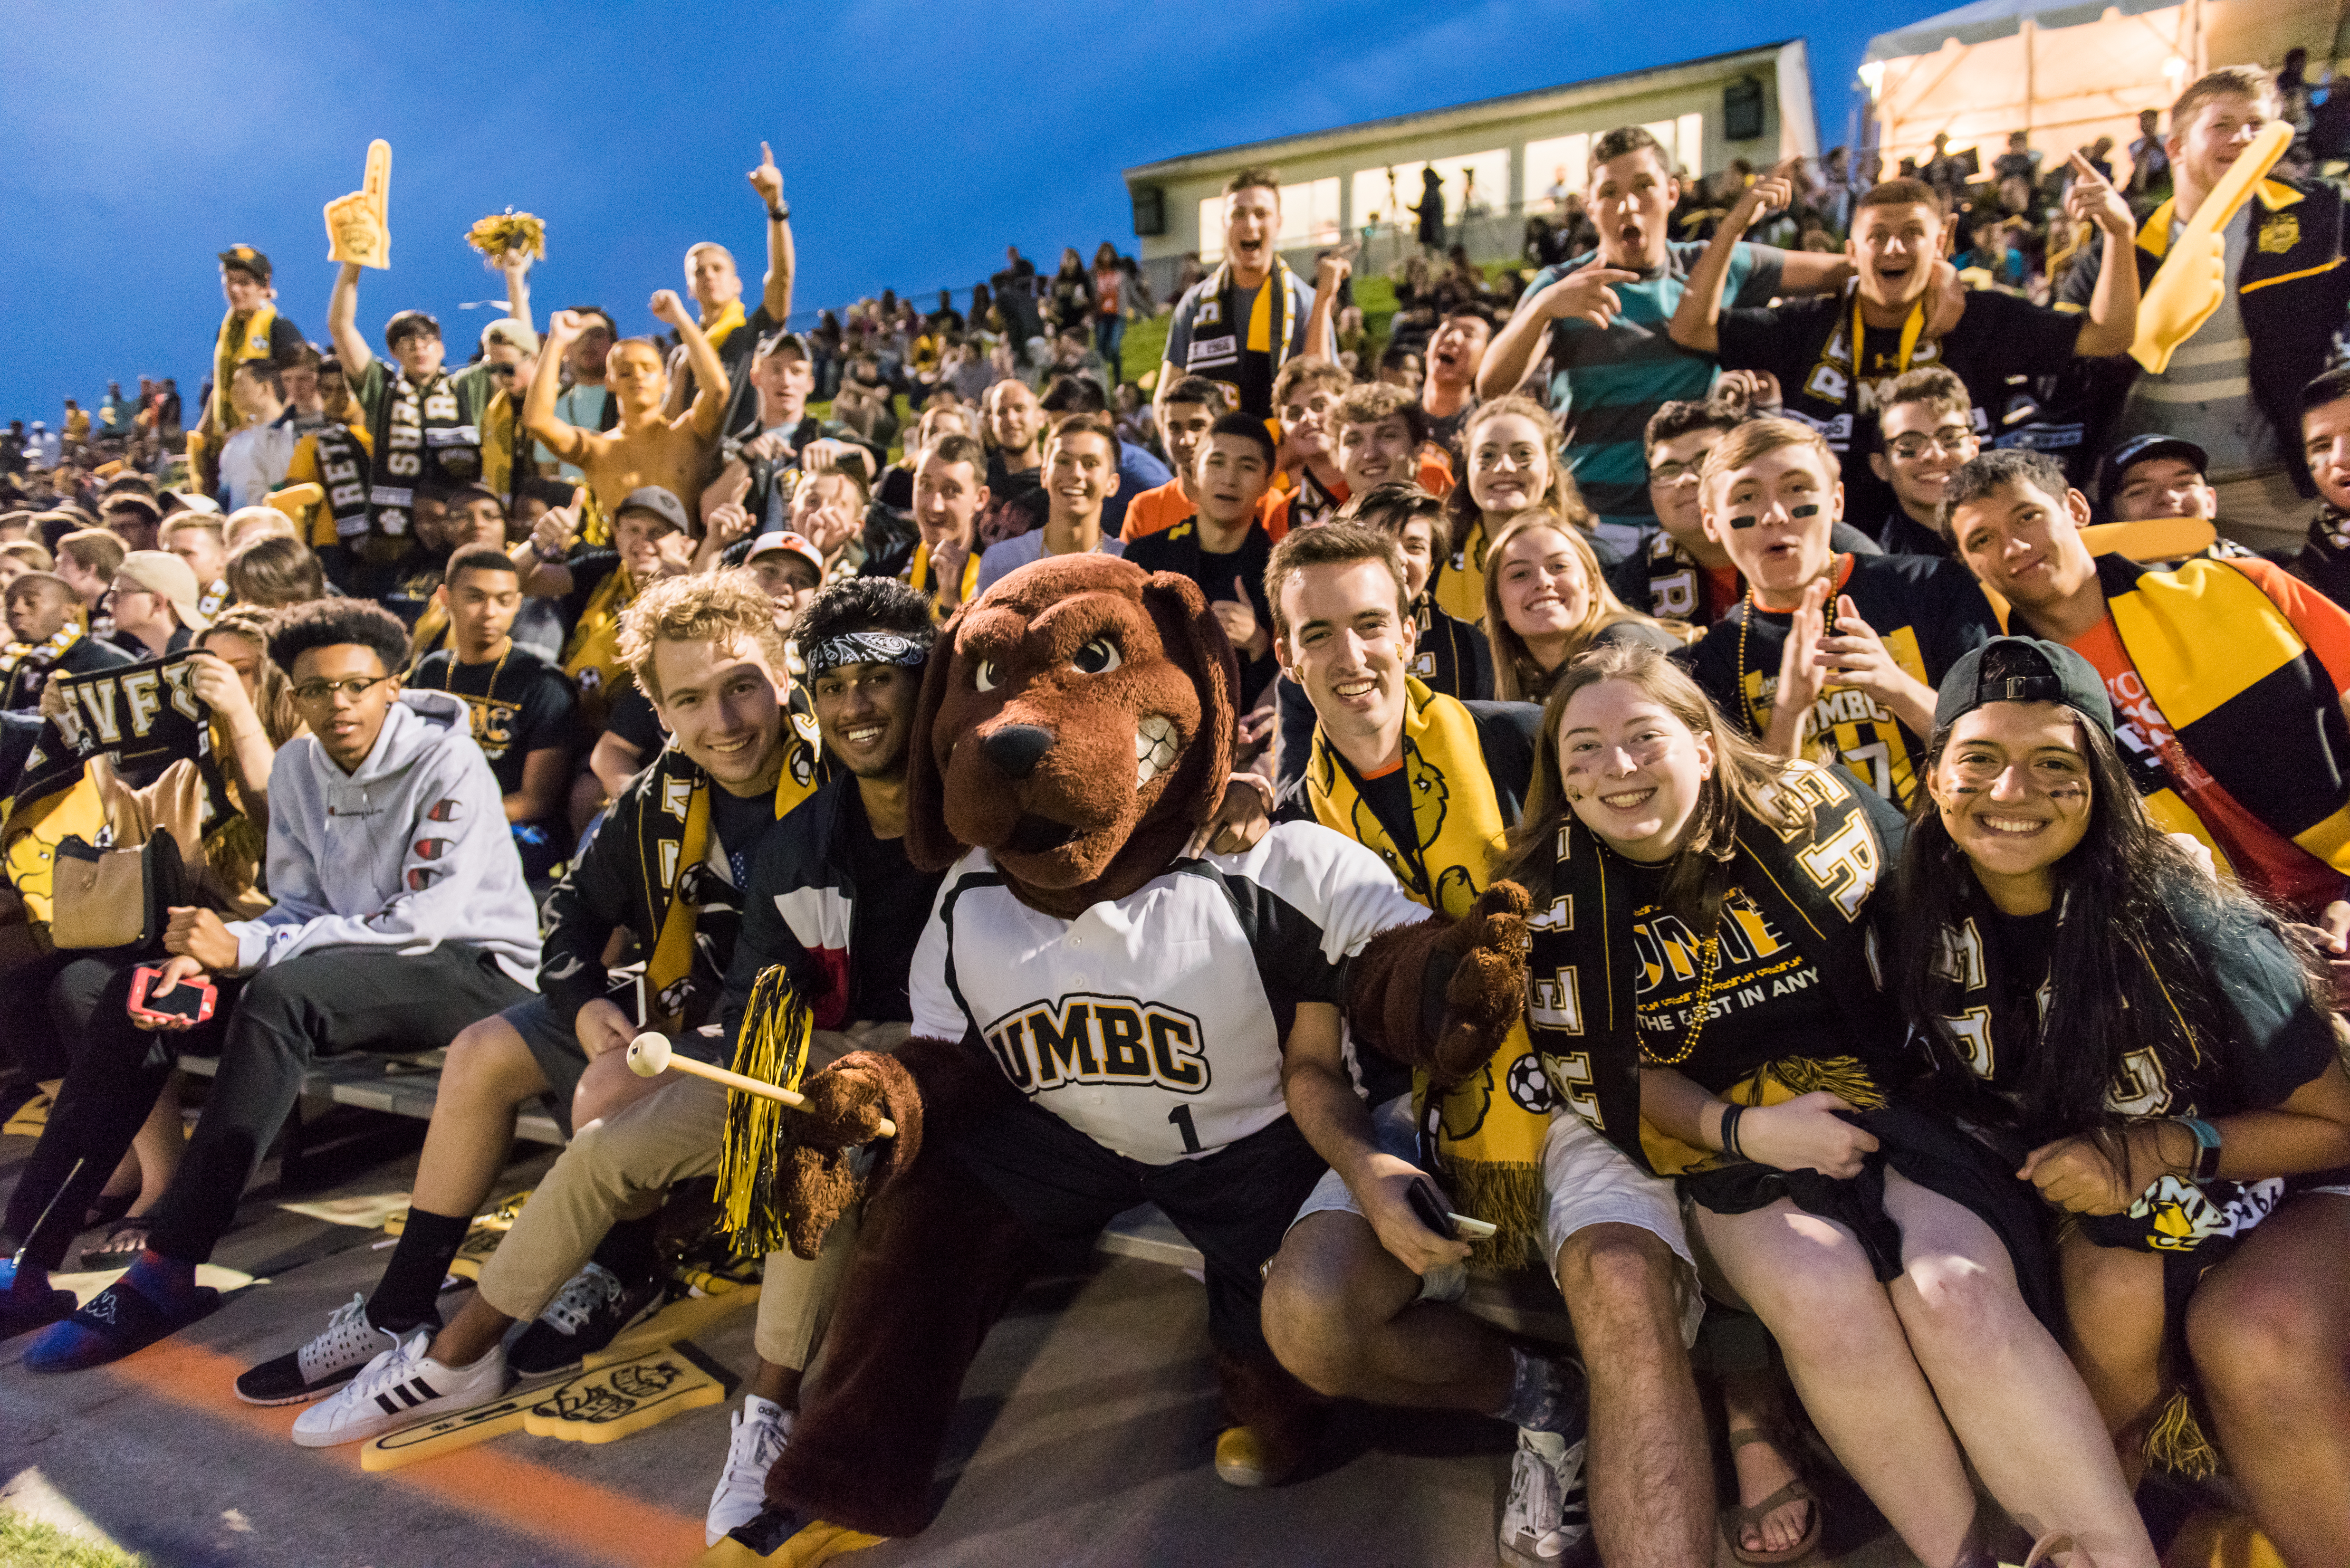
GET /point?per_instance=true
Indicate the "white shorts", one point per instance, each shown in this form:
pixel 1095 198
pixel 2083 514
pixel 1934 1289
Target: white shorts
pixel 1589 1181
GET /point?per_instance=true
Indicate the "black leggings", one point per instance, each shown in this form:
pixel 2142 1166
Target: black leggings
pixel 268 1030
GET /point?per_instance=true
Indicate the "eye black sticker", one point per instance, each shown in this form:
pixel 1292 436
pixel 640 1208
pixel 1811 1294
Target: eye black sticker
pixel 1811 511
pixel 1742 522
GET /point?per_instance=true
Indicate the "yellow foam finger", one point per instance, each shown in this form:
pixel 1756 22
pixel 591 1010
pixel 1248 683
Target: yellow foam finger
pixel 610 1402
pixel 817 1542
pixel 2193 276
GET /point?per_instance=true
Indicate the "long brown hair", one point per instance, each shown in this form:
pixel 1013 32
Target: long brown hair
pixel 1518 675
pixel 273 690
pixel 1744 782
pixel 1559 495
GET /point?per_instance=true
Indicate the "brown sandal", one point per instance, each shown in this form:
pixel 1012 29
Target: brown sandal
pixel 1737 1519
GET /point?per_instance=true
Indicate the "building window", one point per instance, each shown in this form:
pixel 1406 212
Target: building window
pixel 1556 160
pixel 1478 180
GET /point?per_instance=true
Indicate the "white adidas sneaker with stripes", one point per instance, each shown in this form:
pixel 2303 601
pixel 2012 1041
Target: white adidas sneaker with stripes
pixel 399 1389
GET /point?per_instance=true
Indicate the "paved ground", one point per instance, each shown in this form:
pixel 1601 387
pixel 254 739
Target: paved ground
pixel 1084 1439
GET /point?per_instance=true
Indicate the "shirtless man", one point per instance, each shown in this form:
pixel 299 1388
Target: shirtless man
pixel 645 446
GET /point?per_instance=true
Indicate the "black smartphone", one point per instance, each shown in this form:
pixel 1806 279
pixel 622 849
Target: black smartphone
pixel 1430 1208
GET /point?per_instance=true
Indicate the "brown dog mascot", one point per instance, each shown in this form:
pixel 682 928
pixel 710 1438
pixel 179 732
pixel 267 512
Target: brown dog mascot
pixel 1099 1017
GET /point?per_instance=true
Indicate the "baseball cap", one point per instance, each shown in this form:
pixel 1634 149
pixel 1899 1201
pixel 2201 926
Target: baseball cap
pixel 244 258
pixel 792 544
pixel 2137 449
pixel 161 572
pixel 657 501
pixel 183 501
pixel 775 341
pixel 2024 669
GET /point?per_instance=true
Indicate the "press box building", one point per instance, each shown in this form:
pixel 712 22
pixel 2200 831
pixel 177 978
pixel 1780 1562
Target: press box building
pixel 1499 159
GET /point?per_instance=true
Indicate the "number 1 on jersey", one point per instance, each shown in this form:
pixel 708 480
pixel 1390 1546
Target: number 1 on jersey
pixel 1182 1118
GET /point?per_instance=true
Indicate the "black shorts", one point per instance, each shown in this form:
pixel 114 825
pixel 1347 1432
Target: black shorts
pixel 555 1046
pixel 1233 1205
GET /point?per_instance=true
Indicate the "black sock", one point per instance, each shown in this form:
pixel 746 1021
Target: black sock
pixel 404 1297
pixel 629 1251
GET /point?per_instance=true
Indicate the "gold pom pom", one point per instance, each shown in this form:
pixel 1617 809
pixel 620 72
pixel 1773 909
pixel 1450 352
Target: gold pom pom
pixel 501 233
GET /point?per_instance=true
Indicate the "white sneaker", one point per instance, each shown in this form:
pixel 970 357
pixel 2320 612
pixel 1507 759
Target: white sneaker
pixel 1549 1513
pixel 400 1387
pixel 761 1428
pixel 328 1362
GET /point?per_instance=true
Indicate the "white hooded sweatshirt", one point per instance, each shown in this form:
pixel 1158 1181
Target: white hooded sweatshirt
pixel 406 852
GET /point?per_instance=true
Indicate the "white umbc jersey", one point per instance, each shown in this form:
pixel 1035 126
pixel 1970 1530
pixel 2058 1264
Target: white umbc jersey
pixel 1154 1024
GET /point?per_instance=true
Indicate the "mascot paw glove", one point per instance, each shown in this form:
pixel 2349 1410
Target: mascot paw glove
pixel 846 1104
pixel 1486 951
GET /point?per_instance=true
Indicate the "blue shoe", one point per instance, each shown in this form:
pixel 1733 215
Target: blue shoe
pixel 118 1322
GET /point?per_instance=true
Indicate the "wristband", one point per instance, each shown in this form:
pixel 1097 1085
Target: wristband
pixel 1730 1116
pixel 2207 1145
pixel 779 214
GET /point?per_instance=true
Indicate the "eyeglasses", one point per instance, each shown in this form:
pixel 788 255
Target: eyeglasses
pixel 316 692
pixel 1674 472
pixel 1952 441
pixel 504 371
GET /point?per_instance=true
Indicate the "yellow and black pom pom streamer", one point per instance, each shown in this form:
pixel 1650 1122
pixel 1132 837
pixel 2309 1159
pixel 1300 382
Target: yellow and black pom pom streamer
pixel 773 1049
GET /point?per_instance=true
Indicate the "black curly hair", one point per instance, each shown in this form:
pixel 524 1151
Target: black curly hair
pixel 328 623
pixel 864 604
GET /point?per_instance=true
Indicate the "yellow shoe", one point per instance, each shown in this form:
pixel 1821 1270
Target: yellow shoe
pixel 776 1539
pixel 1242 1459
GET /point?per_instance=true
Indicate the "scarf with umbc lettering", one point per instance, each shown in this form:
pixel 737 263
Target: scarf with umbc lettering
pixel 234 346
pixel 1810 883
pixel 1487 1136
pixel 421 438
pixel 923 578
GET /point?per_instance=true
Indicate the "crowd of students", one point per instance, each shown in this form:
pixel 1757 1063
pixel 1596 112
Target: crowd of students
pixel 1919 728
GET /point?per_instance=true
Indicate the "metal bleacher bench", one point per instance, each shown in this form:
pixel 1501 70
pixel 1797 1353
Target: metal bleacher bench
pixel 406 1086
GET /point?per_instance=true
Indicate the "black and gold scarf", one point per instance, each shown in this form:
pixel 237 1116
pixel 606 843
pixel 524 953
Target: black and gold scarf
pixel 1810 883
pixel 421 438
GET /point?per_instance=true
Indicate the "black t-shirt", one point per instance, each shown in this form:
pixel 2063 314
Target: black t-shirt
pixel 520 704
pixel 1181 550
pixel 1807 343
pixel 2277 1040
pixel 1929 613
pixel 892 905
pixel 1904 536
pixel 633 719
pixel 1766 1001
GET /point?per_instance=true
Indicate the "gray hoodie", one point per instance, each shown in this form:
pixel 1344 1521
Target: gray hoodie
pixel 410 851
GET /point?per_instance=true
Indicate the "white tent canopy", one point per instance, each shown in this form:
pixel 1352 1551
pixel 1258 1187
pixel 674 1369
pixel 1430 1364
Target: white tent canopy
pixel 2067 72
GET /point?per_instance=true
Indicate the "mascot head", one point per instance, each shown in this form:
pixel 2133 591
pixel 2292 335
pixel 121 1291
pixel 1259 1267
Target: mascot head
pixel 1079 728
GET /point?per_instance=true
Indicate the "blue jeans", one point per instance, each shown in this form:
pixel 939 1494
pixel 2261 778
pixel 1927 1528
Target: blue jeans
pixel 1110 331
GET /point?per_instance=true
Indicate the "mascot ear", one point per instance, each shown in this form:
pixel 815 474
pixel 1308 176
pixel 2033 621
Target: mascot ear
pixel 1195 640
pixel 929 843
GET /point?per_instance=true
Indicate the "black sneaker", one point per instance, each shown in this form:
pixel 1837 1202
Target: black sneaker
pixel 588 1313
pixel 332 1359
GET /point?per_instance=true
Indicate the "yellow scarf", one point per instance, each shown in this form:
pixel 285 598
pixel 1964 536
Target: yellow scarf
pixel 1911 330
pixel 1461 579
pixel 919 578
pixel 721 327
pixel 229 350
pixel 594 657
pixel 673 952
pixel 1489 1145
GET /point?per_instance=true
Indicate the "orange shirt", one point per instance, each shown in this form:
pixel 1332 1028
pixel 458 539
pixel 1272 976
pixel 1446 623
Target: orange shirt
pixel 1158 509
pixel 2266 860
